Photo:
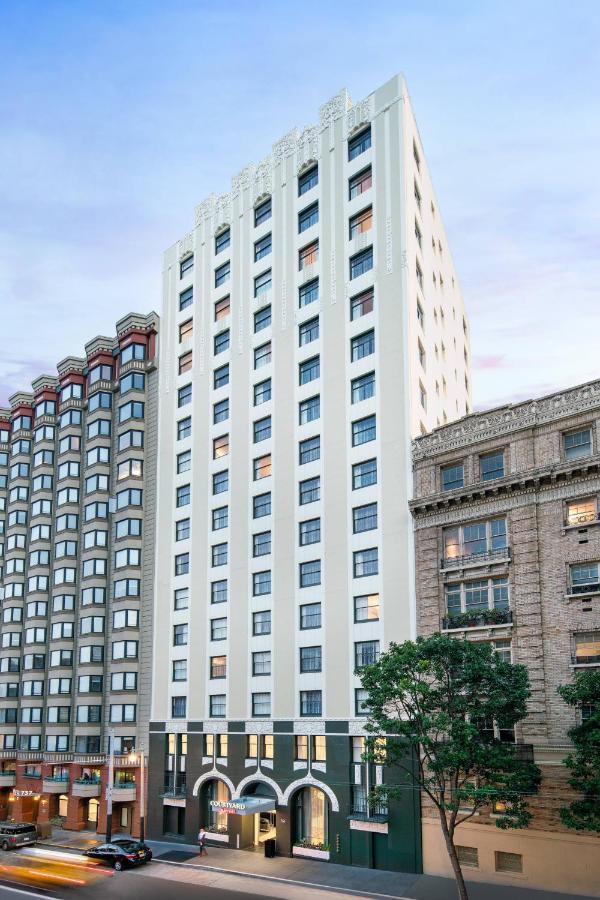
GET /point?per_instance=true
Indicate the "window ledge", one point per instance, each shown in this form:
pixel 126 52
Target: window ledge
pixel 582 596
pixel 477 628
pixel 592 665
pixel 581 526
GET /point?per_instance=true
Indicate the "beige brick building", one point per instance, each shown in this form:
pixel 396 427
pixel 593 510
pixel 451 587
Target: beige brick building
pixel 507 543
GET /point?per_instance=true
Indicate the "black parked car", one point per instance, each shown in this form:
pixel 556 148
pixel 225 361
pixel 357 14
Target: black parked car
pixel 139 845
pixel 121 854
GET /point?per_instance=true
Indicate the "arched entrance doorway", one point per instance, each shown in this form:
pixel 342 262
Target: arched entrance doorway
pixel 264 825
pixel 310 815
pixel 212 794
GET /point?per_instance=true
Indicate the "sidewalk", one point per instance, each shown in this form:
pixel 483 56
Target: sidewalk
pixel 311 873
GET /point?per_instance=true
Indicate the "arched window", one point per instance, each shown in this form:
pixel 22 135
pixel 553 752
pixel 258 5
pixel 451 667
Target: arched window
pixel 217 820
pixel 63 802
pixel 93 811
pixel 311 815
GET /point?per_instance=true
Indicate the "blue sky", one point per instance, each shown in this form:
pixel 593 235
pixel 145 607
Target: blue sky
pixel 117 118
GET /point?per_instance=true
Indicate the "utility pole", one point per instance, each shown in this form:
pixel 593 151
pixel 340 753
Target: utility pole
pixel 142 798
pixel 109 786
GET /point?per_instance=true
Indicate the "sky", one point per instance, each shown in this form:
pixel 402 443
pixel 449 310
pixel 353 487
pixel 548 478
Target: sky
pixel 116 119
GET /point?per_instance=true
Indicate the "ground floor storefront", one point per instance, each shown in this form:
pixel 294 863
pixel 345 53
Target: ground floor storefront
pixel 301 795
pixel 70 790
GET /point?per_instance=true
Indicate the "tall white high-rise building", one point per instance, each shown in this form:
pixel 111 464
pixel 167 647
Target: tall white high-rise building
pixel 312 325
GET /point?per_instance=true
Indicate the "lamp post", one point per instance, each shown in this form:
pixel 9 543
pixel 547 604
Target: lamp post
pixel 133 757
pixel 109 786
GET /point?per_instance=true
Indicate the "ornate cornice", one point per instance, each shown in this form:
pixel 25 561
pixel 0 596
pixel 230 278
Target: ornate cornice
pixel 45 381
pixel 136 320
pixel 71 364
pixel 20 398
pixel 101 342
pixel 503 420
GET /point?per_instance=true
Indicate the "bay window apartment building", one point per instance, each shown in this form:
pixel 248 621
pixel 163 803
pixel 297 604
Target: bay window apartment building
pixel 77 475
pixel 507 546
pixel 312 325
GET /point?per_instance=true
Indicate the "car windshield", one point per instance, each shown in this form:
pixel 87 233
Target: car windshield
pixel 128 845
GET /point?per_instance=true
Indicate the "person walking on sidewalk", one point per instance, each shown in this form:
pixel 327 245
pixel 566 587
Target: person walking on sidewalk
pixel 202 841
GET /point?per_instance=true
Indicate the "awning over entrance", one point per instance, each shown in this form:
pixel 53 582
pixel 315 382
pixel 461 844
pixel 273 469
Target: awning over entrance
pixel 244 806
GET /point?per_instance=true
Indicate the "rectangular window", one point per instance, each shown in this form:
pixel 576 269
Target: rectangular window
pixel 578 443
pixel 262 212
pixel 364 474
pixel 309 532
pixel 309 410
pixel 508 862
pixel 262 283
pixel 301 747
pixel 309 450
pixel 361 304
pixel 308 255
pixel 364 518
pixel 218 706
pixel 183 495
pixel 184 395
pixel 261 506
pixel 475 539
pixel 308 180
pixel 365 562
pixel 309 370
pixel 310 703
pixel 186 331
pixel 585 578
pixel 310 616
pixel 310 573
pixel 262 430
pixel 261 704
pixel 221 411
pixel 222 274
pixel 361 701
pixel 366 608
pixel 262 392
pixel 222 240
pixel 363 387
pixel 362 345
pixel 261 663
pixel 186 298
pixel 587 648
pixel 262 319
pixel 219 591
pixel 220 482
pixel 220 446
pixel 222 308
pixel 308 217
pixel 309 491
pixel 579 512
pixel 261 544
pixel 361 262
pixel 185 362
pixel 220 518
pixel 218 629
pixel 221 377
pixel 186 265
pixel 308 331
pixel 364 430
pixel 184 428
pixel 468 856
pixel 182 531
pixel 219 555
pixel 262 355
pixel 361 223
pixel 261 583
pixel 261 622
pixel 365 653
pixel 491 465
pixel 221 342
pixel 359 143
pixel 360 183
pixel 308 293
pixel 262 247
pixel 262 467
pixel 310 659
pixel 218 667
pixel 181 598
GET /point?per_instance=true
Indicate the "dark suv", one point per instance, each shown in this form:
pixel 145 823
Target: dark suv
pixel 17 834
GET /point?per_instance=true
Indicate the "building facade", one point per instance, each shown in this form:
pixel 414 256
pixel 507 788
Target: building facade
pixel 507 542
pixel 77 484
pixel 312 324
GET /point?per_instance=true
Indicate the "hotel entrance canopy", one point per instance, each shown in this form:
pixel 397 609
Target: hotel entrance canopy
pixel 244 806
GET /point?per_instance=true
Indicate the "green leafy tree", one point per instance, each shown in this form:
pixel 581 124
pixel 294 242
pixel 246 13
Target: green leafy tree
pixel 435 702
pixel 583 813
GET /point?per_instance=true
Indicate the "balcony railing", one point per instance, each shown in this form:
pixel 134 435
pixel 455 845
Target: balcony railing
pixel 477 619
pixel 583 518
pixel 501 554
pixel 175 787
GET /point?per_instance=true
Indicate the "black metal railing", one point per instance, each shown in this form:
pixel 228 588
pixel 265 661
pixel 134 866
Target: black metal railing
pixel 590 588
pixel 500 554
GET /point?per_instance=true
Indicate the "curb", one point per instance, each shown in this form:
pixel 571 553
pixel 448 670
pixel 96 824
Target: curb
pixel 274 878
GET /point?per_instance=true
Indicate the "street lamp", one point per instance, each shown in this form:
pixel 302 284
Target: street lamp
pixel 133 758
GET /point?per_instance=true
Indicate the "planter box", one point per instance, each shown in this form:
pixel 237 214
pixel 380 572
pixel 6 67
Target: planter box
pixel 8 780
pixel 123 794
pixel 312 854
pixel 50 786
pixel 214 836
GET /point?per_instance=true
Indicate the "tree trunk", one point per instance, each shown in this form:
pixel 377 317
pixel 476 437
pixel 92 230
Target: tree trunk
pixel 458 875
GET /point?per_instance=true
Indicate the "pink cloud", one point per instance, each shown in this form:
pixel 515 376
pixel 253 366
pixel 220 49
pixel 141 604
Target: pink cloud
pixel 489 362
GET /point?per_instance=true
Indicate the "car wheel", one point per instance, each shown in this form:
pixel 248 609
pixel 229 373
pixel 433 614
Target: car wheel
pixel 118 865
pixel 5 845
